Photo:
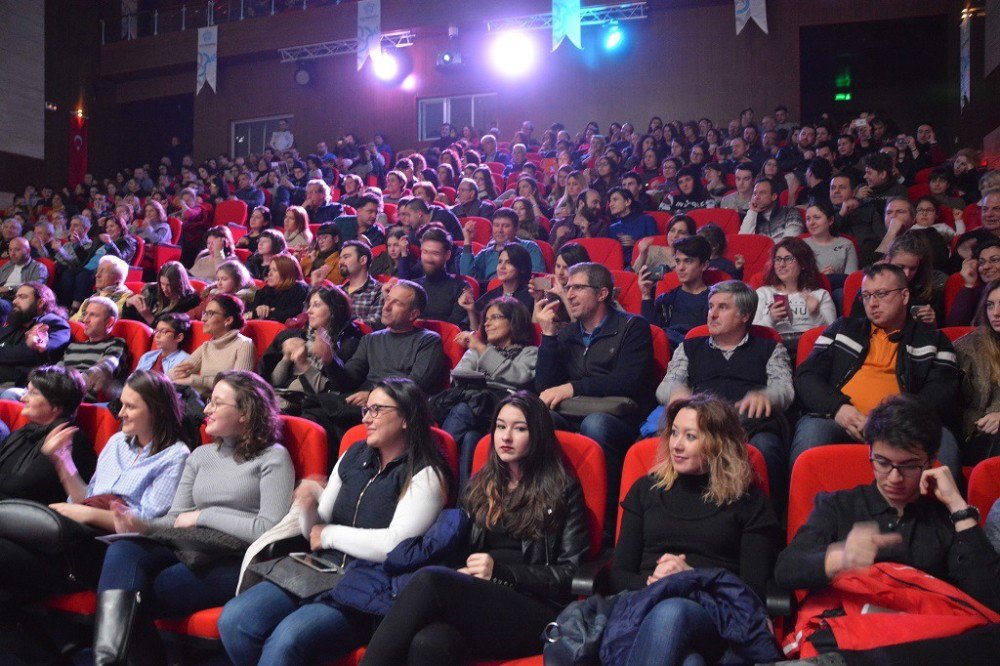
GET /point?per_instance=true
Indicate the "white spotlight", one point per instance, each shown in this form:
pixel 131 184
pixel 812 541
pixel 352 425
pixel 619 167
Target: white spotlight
pixel 513 53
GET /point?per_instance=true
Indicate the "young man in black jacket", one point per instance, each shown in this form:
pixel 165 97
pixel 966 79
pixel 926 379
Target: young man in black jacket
pixel 858 362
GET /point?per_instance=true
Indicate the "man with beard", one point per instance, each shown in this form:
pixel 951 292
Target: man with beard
pixel 364 290
pixel 36 333
pixel 587 221
pixel 863 223
pixel 20 269
pixel 443 289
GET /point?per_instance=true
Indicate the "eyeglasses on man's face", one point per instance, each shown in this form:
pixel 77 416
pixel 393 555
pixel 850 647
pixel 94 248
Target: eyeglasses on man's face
pixel 884 467
pixel 879 295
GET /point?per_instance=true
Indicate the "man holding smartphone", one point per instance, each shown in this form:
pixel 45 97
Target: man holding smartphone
pixel 685 306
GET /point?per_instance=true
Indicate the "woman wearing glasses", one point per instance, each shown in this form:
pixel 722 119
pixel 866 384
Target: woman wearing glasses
pixel 238 488
pixel 791 299
pixel 529 535
pixel 227 349
pixel 385 489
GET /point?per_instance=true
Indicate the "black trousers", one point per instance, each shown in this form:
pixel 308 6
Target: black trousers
pixel 27 575
pixel 446 617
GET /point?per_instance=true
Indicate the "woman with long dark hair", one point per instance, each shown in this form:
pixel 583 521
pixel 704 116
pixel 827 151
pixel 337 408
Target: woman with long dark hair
pixel 690 193
pixel 270 244
pixel 697 508
pixel 528 538
pixel 172 292
pixel 979 359
pixel 239 487
pixel 220 248
pixel 226 348
pixel 514 273
pixel 384 489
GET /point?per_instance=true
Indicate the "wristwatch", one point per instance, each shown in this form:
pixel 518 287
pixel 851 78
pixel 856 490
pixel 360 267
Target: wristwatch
pixel 968 512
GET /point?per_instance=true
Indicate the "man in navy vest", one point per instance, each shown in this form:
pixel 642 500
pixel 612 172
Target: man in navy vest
pixel 751 371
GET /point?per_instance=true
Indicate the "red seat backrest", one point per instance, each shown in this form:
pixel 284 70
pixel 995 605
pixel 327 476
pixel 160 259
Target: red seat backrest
pixel 984 486
pixel 231 210
pixel 824 469
pixel 755 248
pixel 10 413
pixel 759 331
pixel 175 229
pixel 806 344
pixel 661 352
pixel 76 331
pixel 607 251
pixel 548 255
pixel 952 287
pixel 238 231
pixel 263 333
pixel 198 336
pixel 955 332
pixel 51 266
pixel 852 285
pixel 629 294
pixel 484 229
pixel 448 333
pixel 726 218
pixel 306 444
pixel 662 218
pixel 914 192
pixel 99 424
pixel 446 444
pixel 923 176
pixel 644 454
pixel 586 459
pixel 137 336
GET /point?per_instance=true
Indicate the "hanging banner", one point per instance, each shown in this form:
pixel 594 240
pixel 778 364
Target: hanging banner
pixel 208 58
pixel 77 149
pixel 965 63
pixel 130 19
pixel 566 22
pixel 369 29
pixel 751 9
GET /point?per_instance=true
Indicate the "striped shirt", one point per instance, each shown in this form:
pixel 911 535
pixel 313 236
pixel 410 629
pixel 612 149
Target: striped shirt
pixel 147 483
pixel 111 354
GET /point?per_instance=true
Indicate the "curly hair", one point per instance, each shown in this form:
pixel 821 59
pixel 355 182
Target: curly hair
pixel 255 399
pixel 722 444
pixel 804 257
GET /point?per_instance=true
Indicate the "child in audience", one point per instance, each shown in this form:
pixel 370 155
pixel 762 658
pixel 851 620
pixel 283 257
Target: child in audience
pixel 686 306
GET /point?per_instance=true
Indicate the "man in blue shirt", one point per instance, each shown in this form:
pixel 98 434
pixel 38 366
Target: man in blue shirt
pixel 483 266
pixel 630 224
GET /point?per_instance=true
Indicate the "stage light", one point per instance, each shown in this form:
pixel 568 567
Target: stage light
pixel 513 53
pixel 385 66
pixel 613 38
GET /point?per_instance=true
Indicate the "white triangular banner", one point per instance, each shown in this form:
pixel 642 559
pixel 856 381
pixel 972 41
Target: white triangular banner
pixel 751 9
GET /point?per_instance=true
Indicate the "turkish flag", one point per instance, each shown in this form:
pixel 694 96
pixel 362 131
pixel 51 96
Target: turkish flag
pixel 77 149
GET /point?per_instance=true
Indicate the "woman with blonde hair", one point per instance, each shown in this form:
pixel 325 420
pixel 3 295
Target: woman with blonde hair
pixel 296 229
pixel 697 508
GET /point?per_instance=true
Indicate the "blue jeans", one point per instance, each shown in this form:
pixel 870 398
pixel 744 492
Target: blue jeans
pixel 776 457
pixel 813 431
pixel 266 625
pixel 676 632
pixel 460 424
pixel 169 587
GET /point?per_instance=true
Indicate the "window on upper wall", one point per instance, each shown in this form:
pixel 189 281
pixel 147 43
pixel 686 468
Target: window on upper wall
pixel 478 111
pixel 252 135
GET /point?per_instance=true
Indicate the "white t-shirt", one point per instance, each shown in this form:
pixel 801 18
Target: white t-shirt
pixel 802 320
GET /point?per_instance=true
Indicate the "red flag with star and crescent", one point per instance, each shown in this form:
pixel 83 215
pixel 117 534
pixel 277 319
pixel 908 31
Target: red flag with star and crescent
pixel 77 149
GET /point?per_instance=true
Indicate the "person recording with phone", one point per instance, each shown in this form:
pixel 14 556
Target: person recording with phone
pixel 685 306
pixel 514 275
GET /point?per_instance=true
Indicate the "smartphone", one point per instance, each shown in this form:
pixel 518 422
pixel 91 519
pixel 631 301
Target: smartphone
pixel 914 309
pixel 562 314
pixel 542 282
pixel 656 273
pixel 783 298
pixel 858 122
pixel 316 563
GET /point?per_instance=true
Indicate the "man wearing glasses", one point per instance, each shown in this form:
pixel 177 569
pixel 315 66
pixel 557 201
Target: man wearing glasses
pixel 912 514
pixel 859 361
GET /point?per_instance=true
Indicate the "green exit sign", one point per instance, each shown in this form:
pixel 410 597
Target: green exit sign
pixel 842 97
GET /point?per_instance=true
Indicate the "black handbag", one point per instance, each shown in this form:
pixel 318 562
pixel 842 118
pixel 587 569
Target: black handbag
pixel 40 528
pixel 197 547
pixel 574 639
pixel 297 578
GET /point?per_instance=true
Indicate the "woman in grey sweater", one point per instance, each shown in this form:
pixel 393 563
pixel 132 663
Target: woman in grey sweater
pixel 238 488
pixel 503 353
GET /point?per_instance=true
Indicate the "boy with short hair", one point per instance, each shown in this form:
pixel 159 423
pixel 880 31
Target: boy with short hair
pixel 171 331
pixel 686 306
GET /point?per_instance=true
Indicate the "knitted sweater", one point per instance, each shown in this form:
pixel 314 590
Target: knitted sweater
pixel 232 351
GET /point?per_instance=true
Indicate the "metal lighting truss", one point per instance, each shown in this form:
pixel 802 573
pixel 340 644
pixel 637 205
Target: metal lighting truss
pixel 342 47
pixel 627 11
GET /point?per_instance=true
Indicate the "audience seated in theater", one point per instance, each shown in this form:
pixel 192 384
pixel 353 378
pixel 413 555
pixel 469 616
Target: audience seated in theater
pixel 44 244
pixel 657 258
pixel 51 400
pixel 528 225
pixel 629 224
pixel 685 306
pixel 606 355
pixel 514 274
pixel 753 372
pixel 979 361
pixel 767 217
pixel 219 248
pixel 395 186
pixel 364 224
pixel 240 486
pixel 271 244
pixel 690 194
pixel 859 361
pixel 152 227
pixel 398 350
pixel 296 230
pixel 529 536
pixel 194 227
pixel 483 265
pixel 836 256
pixel 19 269
pixel 502 355
pixel 385 490
pixel 36 333
pixel 698 508
pixel 226 348
pixel 322 260
pixel 364 291
pixel 172 292
pixel 231 277
pixel 468 203
pixel 397 245
pixel 633 183
pixel 444 289
pixel 791 299
pixel 488 150
pixel 284 292
pixel 415 214
pixel 565 206
pixel 981 268
pixel 295 360
pixel 9 230
pixel 260 219
pixel 139 468
pixel 247 192
pixel 170 331
pixel 717 239
pixel 795 155
pixel 353 190
pixel 912 514
pixel 78 259
pixel 484 181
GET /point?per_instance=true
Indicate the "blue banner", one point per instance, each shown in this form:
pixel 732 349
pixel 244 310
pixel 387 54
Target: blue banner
pixel 369 29
pixel 566 22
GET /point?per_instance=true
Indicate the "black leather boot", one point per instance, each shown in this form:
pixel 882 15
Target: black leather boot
pixel 122 632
